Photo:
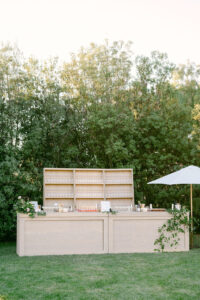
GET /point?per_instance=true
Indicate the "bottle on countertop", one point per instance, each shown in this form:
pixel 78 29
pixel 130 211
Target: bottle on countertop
pixel 56 207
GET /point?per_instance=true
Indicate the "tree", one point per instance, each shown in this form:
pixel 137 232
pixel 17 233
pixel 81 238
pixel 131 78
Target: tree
pixel 101 109
pixel 99 74
pixel 196 126
pixel 186 79
pixel 109 135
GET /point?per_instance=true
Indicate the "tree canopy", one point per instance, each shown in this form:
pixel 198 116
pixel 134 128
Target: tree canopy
pixel 103 108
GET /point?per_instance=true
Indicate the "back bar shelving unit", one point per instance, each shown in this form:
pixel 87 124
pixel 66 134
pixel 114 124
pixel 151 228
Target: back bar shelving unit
pixel 81 187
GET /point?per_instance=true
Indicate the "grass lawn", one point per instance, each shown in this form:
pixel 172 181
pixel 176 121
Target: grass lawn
pixel 109 276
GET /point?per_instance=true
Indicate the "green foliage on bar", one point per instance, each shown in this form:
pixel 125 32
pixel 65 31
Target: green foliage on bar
pixel 169 233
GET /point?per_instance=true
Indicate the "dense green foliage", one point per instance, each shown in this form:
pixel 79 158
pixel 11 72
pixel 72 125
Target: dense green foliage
pixel 104 108
pixel 169 231
pixel 139 276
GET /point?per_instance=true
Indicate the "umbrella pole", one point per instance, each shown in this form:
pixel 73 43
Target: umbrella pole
pixel 191 208
pixel 191 214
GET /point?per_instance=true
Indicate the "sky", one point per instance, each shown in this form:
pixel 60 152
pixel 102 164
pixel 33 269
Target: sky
pixel 46 28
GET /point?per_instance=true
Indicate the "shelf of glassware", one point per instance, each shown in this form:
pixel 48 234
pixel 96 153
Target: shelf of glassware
pixel 58 176
pixel 104 184
pixel 59 191
pixel 118 191
pixel 91 191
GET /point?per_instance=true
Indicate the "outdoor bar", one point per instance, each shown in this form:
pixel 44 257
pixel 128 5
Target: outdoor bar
pixel 91 211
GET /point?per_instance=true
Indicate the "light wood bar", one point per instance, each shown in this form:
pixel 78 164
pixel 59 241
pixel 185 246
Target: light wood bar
pixel 79 232
pixel 92 233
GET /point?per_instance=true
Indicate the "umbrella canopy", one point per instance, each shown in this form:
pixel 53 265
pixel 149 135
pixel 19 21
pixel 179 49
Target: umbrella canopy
pixel 188 175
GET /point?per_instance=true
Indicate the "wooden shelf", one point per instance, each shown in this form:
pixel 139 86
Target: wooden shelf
pixel 119 195
pixel 89 197
pixel 118 183
pixel 93 185
pixel 59 196
pixel 87 183
pixel 58 183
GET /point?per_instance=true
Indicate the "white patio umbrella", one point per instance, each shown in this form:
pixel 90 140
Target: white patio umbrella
pixel 189 175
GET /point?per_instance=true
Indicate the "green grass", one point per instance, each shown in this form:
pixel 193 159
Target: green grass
pixel 110 276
